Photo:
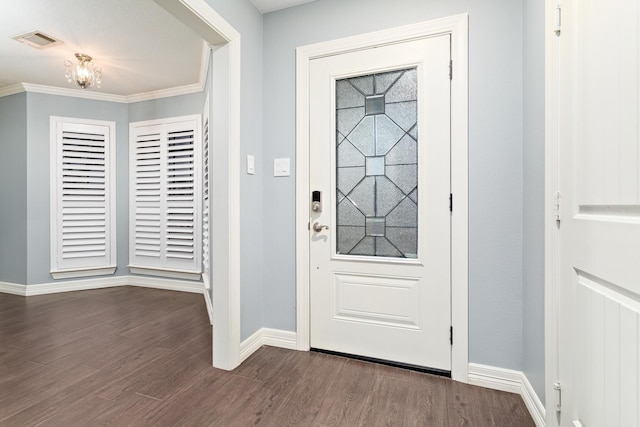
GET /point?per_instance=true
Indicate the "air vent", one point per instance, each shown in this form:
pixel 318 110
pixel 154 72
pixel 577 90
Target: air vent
pixel 37 39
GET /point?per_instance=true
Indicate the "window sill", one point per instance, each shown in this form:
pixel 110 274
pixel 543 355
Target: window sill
pixel 83 272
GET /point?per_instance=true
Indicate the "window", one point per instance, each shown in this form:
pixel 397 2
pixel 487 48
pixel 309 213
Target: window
pixel 165 197
pixel 83 232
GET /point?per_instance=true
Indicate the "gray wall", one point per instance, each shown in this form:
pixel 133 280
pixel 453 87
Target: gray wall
pixel 174 106
pixel 40 108
pixel 533 189
pixel 248 22
pixel 13 188
pixel 495 155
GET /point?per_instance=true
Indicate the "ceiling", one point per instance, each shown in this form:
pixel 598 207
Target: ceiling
pixel 140 47
pixel 266 6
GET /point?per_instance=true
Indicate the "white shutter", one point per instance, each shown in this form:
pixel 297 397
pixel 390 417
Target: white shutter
pixel 205 197
pixel 82 207
pixel 146 194
pixel 165 195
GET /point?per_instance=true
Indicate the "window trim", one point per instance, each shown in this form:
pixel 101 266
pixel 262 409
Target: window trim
pixel 55 127
pixel 136 267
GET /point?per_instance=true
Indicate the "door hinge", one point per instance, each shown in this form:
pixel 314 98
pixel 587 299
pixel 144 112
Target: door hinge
pixel 558 391
pixel 558 21
pixel 450 202
pixel 451 334
pixel 451 69
pixel 309 225
pixel 556 206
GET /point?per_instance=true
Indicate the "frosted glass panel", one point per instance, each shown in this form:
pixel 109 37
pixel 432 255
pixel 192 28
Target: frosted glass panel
pixel 377 165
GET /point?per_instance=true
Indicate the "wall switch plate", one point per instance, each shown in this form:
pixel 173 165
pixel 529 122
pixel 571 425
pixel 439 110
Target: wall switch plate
pixel 251 164
pixel 282 167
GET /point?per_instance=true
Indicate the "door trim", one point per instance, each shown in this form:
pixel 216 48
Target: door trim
pixel 552 243
pixel 457 27
pixel 225 280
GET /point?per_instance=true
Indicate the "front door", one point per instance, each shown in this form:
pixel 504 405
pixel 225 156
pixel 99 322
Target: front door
pixel 380 224
pixel 599 228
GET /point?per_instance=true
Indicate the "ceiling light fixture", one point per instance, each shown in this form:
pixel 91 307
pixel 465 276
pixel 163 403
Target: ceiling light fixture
pixel 85 72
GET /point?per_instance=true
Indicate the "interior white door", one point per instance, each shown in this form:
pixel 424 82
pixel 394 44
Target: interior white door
pixel 599 229
pixel 380 242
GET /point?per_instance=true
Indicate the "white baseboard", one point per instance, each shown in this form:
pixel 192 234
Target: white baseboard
pixel 535 406
pixel 99 283
pixel 267 336
pixel 13 289
pixel 510 381
pixel 207 301
pixel 75 285
pixel 167 284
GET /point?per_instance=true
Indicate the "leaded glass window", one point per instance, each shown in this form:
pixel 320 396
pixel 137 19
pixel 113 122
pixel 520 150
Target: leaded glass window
pixel 377 165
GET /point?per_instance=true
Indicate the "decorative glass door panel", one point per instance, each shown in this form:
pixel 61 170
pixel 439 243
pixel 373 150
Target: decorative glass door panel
pixel 377 165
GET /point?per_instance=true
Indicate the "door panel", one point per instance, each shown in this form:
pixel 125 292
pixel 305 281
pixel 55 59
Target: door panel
pixel 391 301
pixel 599 231
pixel 380 156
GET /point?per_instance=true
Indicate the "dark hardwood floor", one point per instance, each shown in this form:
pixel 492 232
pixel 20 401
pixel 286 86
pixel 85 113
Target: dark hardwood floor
pixel 142 357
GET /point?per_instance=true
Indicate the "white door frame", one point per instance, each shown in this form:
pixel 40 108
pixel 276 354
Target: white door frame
pixel 225 280
pixel 457 27
pixel 551 246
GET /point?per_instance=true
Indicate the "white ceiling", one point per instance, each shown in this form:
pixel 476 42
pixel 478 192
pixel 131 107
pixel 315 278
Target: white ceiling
pixel 266 6
pixel 140 47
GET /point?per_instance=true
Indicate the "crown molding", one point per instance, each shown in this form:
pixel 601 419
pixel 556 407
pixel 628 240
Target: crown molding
pixel 164 93
pixel 124 99
pixel 11 90
pixel 74 93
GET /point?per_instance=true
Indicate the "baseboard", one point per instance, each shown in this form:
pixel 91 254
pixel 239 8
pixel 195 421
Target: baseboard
pixel 207 301
pixel 267 336
pixel 167 284
pixel 13 289
pixel 510 381
pixel 75 285
pixel 99 283
pixel 535 406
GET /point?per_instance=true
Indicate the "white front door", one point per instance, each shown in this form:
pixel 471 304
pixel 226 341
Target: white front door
pixel 380 233
pixel 599 229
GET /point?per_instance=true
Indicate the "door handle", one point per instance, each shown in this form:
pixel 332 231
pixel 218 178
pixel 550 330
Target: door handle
pixel 317 227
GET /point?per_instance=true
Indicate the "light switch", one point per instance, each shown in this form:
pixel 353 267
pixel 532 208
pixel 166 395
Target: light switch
pixel 281 167
pixel 251 164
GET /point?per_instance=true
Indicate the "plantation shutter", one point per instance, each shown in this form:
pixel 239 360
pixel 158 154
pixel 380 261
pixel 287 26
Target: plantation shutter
pixel 165 195
pixel 205 197
pixel 147 196
pixel 82 204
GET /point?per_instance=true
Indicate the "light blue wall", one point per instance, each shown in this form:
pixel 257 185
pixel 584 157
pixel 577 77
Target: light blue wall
pixel 166 107
pixel 533 189
pixel 13 188
pixel 40 108
pixel 505 241
pixel 495 155
pixel 248 22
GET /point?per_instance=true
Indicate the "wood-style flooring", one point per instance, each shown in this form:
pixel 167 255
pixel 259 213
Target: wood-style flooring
pixel 142 357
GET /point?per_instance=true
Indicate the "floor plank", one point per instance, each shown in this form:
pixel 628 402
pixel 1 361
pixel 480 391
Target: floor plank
pixel 142 357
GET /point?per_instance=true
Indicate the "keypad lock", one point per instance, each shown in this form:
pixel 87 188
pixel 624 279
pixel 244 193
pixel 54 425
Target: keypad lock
pixel 316 202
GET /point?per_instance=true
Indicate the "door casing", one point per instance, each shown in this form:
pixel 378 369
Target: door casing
pixel 457 27
pixel 551 248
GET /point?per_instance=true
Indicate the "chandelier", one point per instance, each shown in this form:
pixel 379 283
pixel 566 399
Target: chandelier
pixel 85 72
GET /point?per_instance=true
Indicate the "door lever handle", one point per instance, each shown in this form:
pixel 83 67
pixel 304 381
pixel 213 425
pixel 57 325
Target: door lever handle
pixel 317 227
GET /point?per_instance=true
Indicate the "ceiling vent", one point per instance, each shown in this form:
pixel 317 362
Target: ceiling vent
pixel 37 39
